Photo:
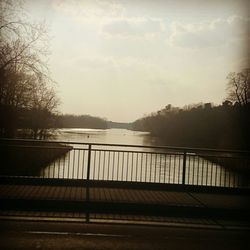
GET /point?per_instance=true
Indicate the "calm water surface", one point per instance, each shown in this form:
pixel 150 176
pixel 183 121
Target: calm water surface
pixel 110 136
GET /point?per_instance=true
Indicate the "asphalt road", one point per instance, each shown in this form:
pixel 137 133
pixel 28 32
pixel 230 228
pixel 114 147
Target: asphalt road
pixel 62 235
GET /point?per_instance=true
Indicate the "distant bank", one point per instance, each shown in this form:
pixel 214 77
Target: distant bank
pixel 87 121
pixel 119 125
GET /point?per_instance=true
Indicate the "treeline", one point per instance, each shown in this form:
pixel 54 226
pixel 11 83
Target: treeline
pixel 223 126
pixel 204 125
pixel 80 121
pixel 23 122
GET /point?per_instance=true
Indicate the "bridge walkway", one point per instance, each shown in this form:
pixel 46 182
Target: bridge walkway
pixel 125 200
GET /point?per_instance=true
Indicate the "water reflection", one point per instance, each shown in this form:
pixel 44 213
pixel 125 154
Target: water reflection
pixel 110 136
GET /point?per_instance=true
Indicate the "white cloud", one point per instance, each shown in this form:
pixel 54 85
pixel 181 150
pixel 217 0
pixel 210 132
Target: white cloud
pixel 133 27
pixel 209 34
pixel 109 17
pixel 88 10
pixel 108 62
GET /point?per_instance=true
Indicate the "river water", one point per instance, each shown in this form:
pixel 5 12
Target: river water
pixel 143 165
pixel 110 136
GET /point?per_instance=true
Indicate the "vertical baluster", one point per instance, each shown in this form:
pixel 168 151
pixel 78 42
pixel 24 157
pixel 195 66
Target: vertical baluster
pixel 132 166
pixel 94 164
pixel 58 167
pixel 193 166
pixel 155 167
pixel 127 166
pixel 225 176
pixel 184 168
pixel 87 187
pixel 118 162
pixel 160 169
pixel 99 165
pixel 113 166
pixel 54 166
pixel 122 165
pixel 188 169
pixel 141 167
pixel 198 170
pixel 211 172
pixel 234 175
pixel 108 167
pixel 136 167
pixel 49 168
pixel 78 163
pixel 180 169
pixel 73 168
pixel 150 166
pixel 216 168
pixel 207 173
pixel 64 162
pixel 165 167
pixel 169 169
pixel 103 165
pixel 202 170
pixel 83 163
pixel 69 163
pixel 170 165
pixel 89 161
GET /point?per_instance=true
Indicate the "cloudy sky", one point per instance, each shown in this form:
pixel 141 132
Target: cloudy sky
pixel 122 59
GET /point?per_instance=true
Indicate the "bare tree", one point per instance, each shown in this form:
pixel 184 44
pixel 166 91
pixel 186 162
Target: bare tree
pixel 239 87
pixel 25 81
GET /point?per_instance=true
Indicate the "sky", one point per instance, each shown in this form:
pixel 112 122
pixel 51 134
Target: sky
pixel 123 59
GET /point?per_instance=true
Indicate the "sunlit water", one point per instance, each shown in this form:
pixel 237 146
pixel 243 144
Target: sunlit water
pixel 110 136
pixel 133 164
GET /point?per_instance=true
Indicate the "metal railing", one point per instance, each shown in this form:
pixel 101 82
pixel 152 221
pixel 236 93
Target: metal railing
pixel 128 163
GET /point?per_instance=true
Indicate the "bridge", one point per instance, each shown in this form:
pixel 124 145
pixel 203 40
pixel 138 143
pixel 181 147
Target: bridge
pixel 107 182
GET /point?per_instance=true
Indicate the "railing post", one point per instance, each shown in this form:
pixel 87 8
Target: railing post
pixel 184 168
pixel 89 159
pixel 87 185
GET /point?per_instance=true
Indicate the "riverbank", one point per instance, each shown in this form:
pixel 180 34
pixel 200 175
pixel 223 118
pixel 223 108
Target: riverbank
pixel 236 162
pixel 27 158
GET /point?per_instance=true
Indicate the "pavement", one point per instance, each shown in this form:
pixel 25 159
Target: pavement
pixel 71 235
pixel 125 201
pixel 60 217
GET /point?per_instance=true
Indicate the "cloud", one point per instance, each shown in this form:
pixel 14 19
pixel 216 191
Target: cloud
pixel 89 9
pixel 133 27
pixel 209 34
pixel 106 62
pixel 109 17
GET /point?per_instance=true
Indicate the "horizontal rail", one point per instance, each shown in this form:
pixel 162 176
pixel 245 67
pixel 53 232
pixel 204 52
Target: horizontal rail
pixel 187 149
pixel 135 151
pixel 39 147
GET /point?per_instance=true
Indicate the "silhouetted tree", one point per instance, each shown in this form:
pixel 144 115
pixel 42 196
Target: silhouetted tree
pixel 25 83
pixel 239 87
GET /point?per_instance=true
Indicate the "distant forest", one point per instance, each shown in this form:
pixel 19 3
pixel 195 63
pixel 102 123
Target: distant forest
pixel 88 121
pixel 223 126
pixel 80 121
pixel 204 125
